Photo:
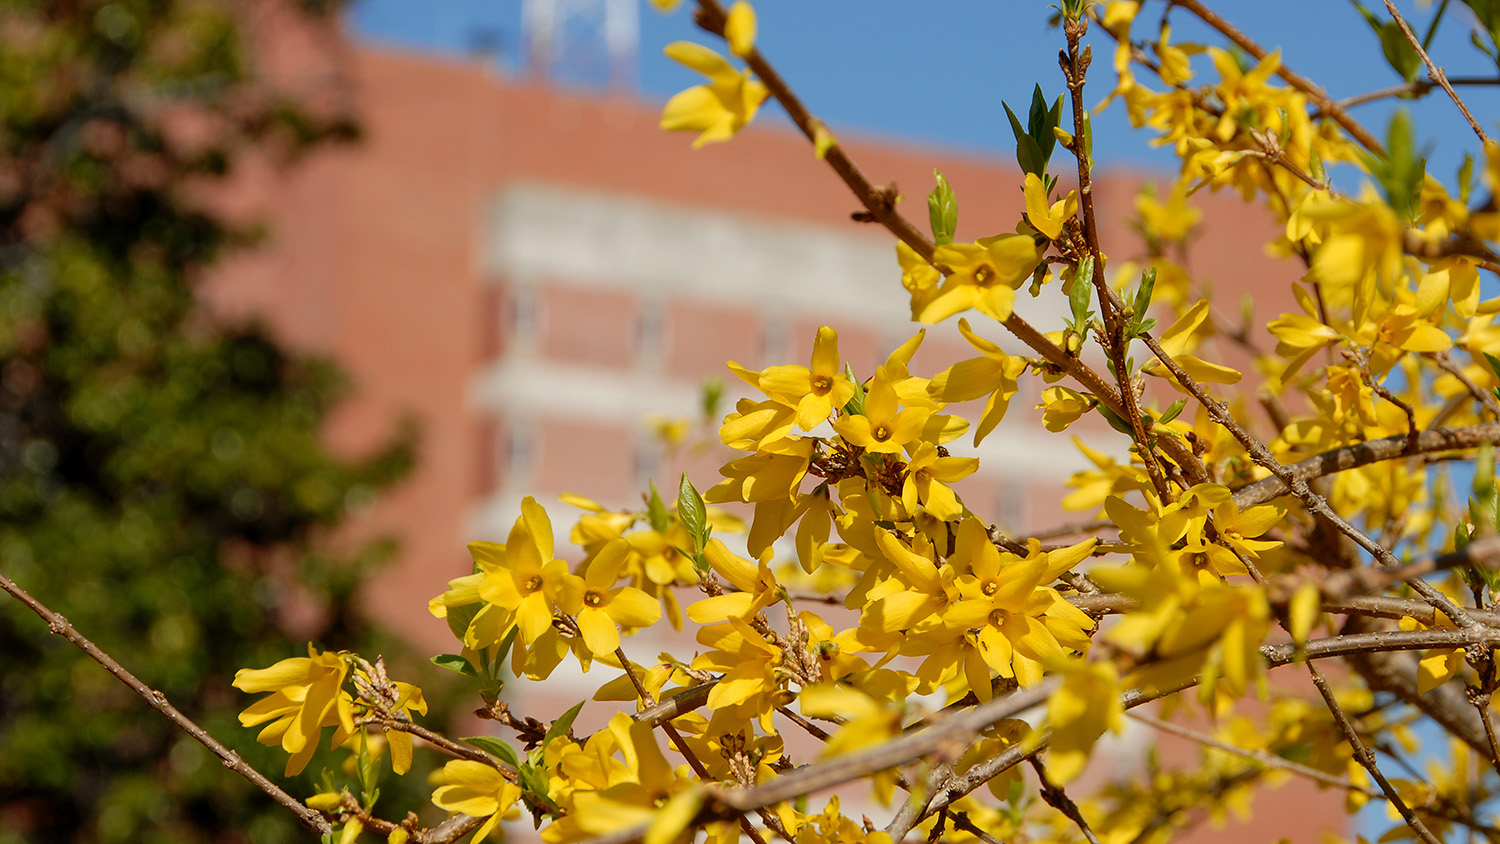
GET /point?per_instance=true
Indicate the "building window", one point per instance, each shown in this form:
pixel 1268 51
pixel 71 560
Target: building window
pixel 520 443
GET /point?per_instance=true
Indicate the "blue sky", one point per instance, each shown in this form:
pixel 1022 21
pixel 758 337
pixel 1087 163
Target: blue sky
pixel 893 68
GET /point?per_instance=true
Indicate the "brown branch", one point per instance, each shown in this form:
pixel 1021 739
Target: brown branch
pixel 456 749
pixel 1415 88
pixel 1075 64
pixel 1362 361
pixel 685 701
pixel 880 203
pixel 1445 361
pixel 961 820
pixel 1054 796
pixel 1366 757
pixel 310 818
pixel 1434 72
pixel 1363 454
pixel 1481 701
pixel 1314 92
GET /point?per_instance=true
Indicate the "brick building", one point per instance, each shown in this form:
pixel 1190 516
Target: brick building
pixel 530 272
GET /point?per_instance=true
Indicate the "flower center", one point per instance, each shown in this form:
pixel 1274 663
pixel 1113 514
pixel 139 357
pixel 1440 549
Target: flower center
pixel 533 583
pixel 881 433
pixel 999 617
pixel 821 384
pixel 983 276
pixel 990 587
pixel 592 598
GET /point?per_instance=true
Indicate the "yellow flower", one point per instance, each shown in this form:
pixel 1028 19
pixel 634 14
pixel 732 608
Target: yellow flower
pixel 718 109
pixel 1185 334
pixel 1455 277
pixel 1061 407
pixel 526 580
pixel 1438 665
pixel 885 427
pixel 918 277
pixel 983 275
pixel 409 699
pixel 995 373
pixel 599 605
pixel 739 28
pixel 814 391
pixel 927 477
pixel 1079 712
pixel 477 790
pixel 1170 221
pixel 752 680
pixel 1300 336
pixel 306 696
pixel 1236 528
pixel 1023 624
pixel 1047 220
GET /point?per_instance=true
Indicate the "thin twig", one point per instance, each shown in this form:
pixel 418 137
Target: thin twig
pixel 1366 757
pixel 1270 760
pixel 1417 88
pixel 1054 796
pixel 1075 64
pixel 1362 361
pixel 1434 72
pixel 961 820
pixel 310 818
pixel 456 749
pixel 1481 701
pixel 1363 454
pixel 1445 362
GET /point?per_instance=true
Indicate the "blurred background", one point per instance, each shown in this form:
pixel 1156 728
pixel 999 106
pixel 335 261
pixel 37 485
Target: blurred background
pixel 298 298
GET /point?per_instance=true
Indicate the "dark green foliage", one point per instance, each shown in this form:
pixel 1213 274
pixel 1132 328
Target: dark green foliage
pixel 161 474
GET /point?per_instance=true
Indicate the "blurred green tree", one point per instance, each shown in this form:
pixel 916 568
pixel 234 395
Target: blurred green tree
pixel 162 478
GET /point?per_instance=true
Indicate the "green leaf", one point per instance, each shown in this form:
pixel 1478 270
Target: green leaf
pixel 1028 152
pixel 855 406
pixel 1144 292
pixel 713 395
pixel 454 662
pixel 691 511
pixel 1484 471
pixel 942 211
pixel 1172 411
pixel 496 748
pixel 1116 421
pixel 1081 293
pixel 656 512
pixel 561 726
pixel 1088 138
pixel 459 618
pixel 1399 53
pixel 1401 172
pixel 1494 363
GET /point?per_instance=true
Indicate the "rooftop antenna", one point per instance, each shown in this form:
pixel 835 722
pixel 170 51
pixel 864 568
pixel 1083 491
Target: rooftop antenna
pixel 590 43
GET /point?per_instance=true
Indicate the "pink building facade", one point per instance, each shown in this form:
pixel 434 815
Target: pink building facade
pixel 531 273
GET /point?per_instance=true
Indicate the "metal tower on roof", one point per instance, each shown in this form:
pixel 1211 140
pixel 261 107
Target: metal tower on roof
pixel 590 43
